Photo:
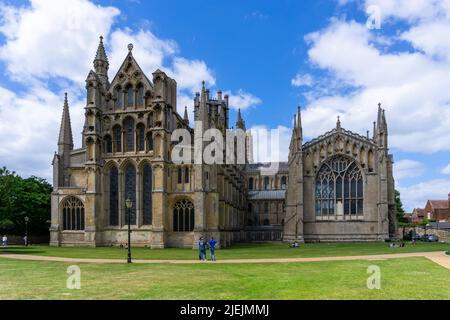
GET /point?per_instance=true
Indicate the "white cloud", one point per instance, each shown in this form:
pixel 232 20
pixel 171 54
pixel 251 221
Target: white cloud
pixel 190 74
pixel 269 144
pixel 410 85
pixel 302 80
pixel 408 169
pixel 416 196
pixel 446 170
pixel 242 100
pixel 52 38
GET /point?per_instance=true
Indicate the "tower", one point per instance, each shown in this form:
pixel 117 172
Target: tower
pixel 293 225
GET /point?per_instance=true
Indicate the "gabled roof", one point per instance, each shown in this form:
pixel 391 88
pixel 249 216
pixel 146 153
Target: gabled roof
pixel 339 131
pixel 130 59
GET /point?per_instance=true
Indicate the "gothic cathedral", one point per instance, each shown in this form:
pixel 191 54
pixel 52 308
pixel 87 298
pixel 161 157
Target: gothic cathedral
pixel 337 187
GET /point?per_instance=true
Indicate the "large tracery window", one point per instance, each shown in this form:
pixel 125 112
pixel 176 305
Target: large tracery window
pixel 130 192
pixel 147 199
pixel 73 214
pixel 113 197
pixel 183 216
pixel 339 189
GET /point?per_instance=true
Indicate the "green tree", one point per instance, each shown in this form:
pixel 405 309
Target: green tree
pixel 399 207
pixel 23 197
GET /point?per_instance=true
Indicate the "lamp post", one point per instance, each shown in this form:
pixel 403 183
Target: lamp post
pixel 27 219
pixel 129 205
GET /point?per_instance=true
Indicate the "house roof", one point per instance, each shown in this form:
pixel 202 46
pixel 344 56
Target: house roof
pixel 439 204
pixel 267 195
pixel 256 167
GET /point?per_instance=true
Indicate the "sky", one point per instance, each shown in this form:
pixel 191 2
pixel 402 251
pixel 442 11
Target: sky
pixel 331 57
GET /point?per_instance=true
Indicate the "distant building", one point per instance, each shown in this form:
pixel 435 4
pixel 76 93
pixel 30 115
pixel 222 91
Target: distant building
pixel 438 210
pixel 417 215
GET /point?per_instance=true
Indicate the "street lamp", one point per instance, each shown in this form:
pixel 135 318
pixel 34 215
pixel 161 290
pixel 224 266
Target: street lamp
pixel 27 219
pixel 129 205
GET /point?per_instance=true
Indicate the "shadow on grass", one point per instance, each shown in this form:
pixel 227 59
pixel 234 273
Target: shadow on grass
pixel 20 250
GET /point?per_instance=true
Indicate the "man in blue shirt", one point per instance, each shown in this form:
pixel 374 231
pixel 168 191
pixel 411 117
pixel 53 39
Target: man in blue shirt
pixel 202 249
pixel 212 248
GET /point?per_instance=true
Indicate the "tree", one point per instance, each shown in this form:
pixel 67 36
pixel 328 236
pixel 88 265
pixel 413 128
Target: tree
pixel 24 197
pixel 399 207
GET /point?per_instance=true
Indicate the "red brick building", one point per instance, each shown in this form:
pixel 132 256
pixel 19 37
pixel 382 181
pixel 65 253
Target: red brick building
pixel 438 210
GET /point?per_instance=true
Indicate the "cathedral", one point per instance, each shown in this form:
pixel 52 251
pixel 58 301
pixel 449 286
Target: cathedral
pixel 336 187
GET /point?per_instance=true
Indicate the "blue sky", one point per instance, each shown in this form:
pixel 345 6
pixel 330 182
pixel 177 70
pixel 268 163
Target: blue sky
pixel 270 56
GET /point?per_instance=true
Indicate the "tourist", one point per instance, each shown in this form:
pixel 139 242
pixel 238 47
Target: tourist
pixel 4 241
pixel 25 241
pixel 212 248
pixel 201 249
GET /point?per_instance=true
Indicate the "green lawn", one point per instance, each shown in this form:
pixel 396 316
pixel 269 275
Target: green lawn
pixel 408 278
pixel 239 251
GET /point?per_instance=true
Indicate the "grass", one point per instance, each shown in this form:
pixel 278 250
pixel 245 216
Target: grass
pixel 239 251
pixel 408 278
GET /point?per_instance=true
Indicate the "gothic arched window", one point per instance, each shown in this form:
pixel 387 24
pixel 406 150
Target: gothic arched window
pixel 339 188
pixel 119 97
pixel 130 192
pixel 108 144
pixel 140 96
pixel 73 214
pixel 141 137
pixel 129 134
pixel 183 216
pixel 130 98
pixel 147 198
pixel 117 136
pixel 113 197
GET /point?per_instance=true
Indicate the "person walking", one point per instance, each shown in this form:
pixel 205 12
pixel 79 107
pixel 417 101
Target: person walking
pixel 4 241
pixel 201 249
pixel 212 248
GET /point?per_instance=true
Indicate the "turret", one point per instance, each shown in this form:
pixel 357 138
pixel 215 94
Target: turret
pixel 65 146
pixel 240 123
pixel 101 63
pixel 381 129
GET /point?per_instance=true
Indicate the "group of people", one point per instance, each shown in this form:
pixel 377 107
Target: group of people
pixel 202 246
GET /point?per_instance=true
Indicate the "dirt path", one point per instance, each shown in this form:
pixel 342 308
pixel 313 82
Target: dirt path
pixel 438 257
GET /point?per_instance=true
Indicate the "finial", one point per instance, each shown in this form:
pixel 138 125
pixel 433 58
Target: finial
pixel 65 98
pixel 101 38
pixel 338 123
pixel 130 47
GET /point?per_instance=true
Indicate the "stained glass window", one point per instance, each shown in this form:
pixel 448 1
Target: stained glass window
pixel 113 197
pixel 339 183
pixel 130 98
pixel 119 97
pixel 129 134
pixel 73 214
pixel 147 198
pixel 117 135
pixel 140 98
pixel 108 144
pixel 141 137
pixel 130 192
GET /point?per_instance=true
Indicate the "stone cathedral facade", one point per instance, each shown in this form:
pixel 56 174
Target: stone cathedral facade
pixel 337 187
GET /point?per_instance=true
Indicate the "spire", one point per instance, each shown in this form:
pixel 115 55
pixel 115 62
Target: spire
pixel 299 123
pixel 240 123
pixel 338 123
pixel 186 117
pixel 374 129
pixel 101 63
pixel 65 131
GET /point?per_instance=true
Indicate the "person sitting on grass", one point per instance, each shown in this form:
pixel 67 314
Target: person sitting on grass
pixel 212 248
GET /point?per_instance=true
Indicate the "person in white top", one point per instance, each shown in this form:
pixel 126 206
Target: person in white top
pixel 4 241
